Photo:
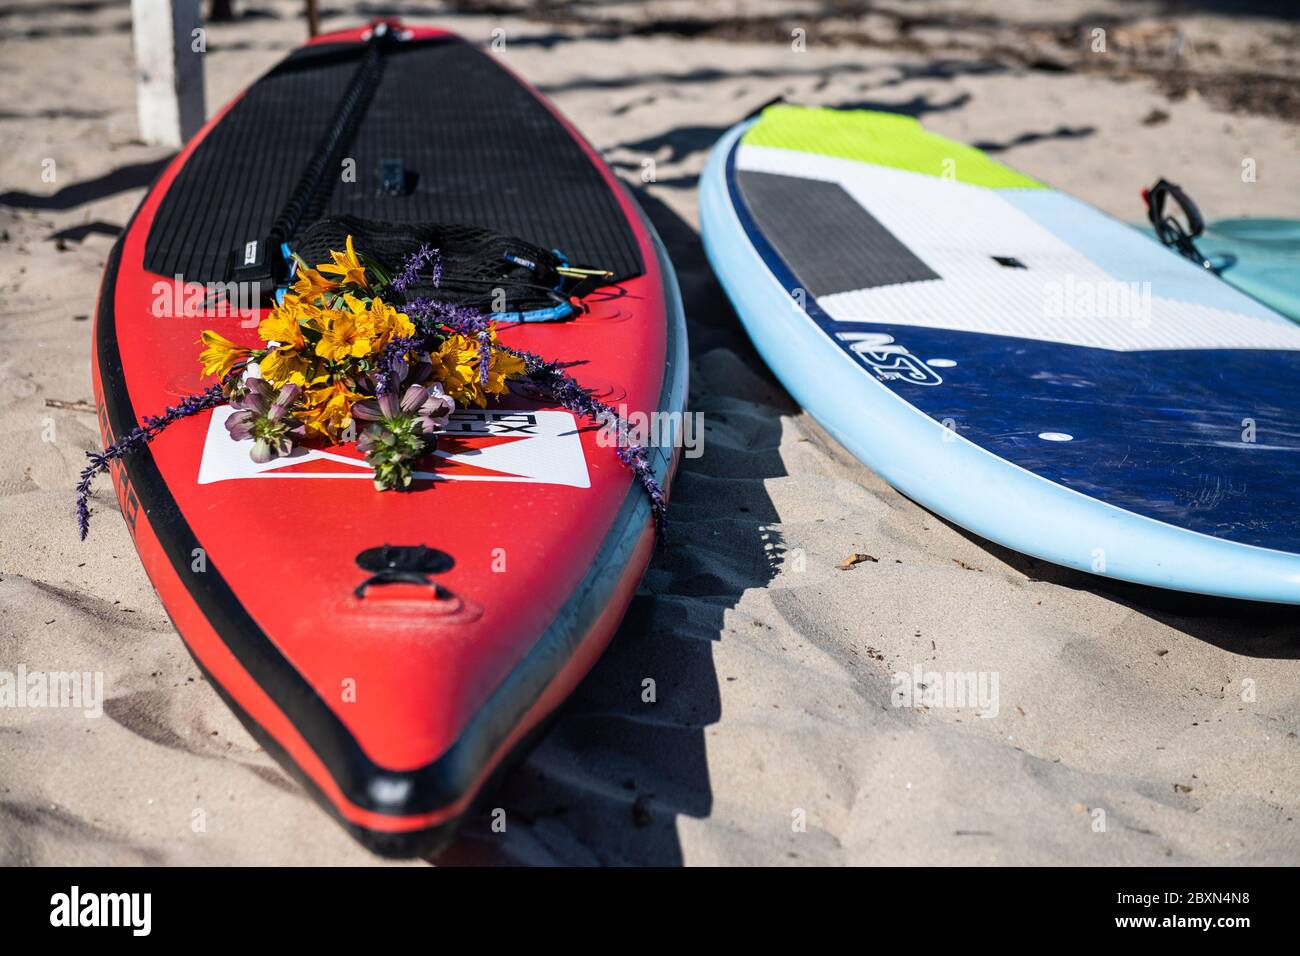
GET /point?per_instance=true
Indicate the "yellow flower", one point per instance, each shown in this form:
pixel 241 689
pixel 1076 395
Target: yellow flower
pixel 288 359
pixel 347 267
pixel 345 335
pixel 282 326
pixel 310 284
pixel 221 354
pixel 328 410
pixel 457 365
pixel 501 369
pixel 285 365
pixel 387 323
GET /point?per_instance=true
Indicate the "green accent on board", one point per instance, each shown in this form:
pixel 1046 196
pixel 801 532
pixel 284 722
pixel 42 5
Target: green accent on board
pixel 886 139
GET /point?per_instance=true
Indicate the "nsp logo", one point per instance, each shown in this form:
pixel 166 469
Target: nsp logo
pixel 888 360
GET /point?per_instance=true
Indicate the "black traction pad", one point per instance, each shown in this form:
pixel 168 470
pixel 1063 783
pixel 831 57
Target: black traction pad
pixel 477 148
pixel 825 236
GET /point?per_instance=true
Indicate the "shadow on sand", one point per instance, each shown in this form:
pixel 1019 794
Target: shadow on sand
pixel 607 783
pixel 135 176
pixel 1249 628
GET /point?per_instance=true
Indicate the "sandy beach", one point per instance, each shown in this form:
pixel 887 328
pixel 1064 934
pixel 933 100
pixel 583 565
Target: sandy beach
pixel 1132 726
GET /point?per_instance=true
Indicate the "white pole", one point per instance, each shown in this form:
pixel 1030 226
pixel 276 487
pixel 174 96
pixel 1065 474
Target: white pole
pixel 169 45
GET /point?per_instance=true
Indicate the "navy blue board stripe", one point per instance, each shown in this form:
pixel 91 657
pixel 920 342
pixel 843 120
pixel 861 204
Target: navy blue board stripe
pixel 1156 433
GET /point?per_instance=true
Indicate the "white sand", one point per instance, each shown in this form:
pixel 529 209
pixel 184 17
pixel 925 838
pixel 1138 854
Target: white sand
pixel 1122 734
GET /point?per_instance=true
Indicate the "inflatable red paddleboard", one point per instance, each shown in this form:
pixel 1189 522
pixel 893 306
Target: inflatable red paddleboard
pixel 391 649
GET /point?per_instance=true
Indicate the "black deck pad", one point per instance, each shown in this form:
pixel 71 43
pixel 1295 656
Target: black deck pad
pixel 476 148
pixel 829 241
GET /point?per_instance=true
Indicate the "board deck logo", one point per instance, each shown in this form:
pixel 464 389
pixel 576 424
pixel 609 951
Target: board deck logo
pixel 887 359
pixel 533 447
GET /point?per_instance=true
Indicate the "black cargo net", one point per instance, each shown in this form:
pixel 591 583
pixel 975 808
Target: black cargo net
pixel 461 265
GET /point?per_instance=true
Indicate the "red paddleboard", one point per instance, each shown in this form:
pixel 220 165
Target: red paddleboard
pixel 392 649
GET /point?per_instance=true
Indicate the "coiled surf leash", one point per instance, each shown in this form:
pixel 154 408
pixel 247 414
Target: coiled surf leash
pixel 1169 229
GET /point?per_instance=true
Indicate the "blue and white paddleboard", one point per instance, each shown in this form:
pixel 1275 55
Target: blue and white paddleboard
pixel 1010 357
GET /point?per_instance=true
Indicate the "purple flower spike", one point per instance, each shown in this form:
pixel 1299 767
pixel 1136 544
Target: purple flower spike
pixel 138 438
pixel 484 355
pixel 414 263
pixel 392 368
pixel 460 318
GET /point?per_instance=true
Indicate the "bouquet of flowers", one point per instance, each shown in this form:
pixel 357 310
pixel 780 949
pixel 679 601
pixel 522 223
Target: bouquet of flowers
pixel 342 364
pixel 345 357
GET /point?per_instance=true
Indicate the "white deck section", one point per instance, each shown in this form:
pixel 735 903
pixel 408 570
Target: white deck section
pixel 1061 295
